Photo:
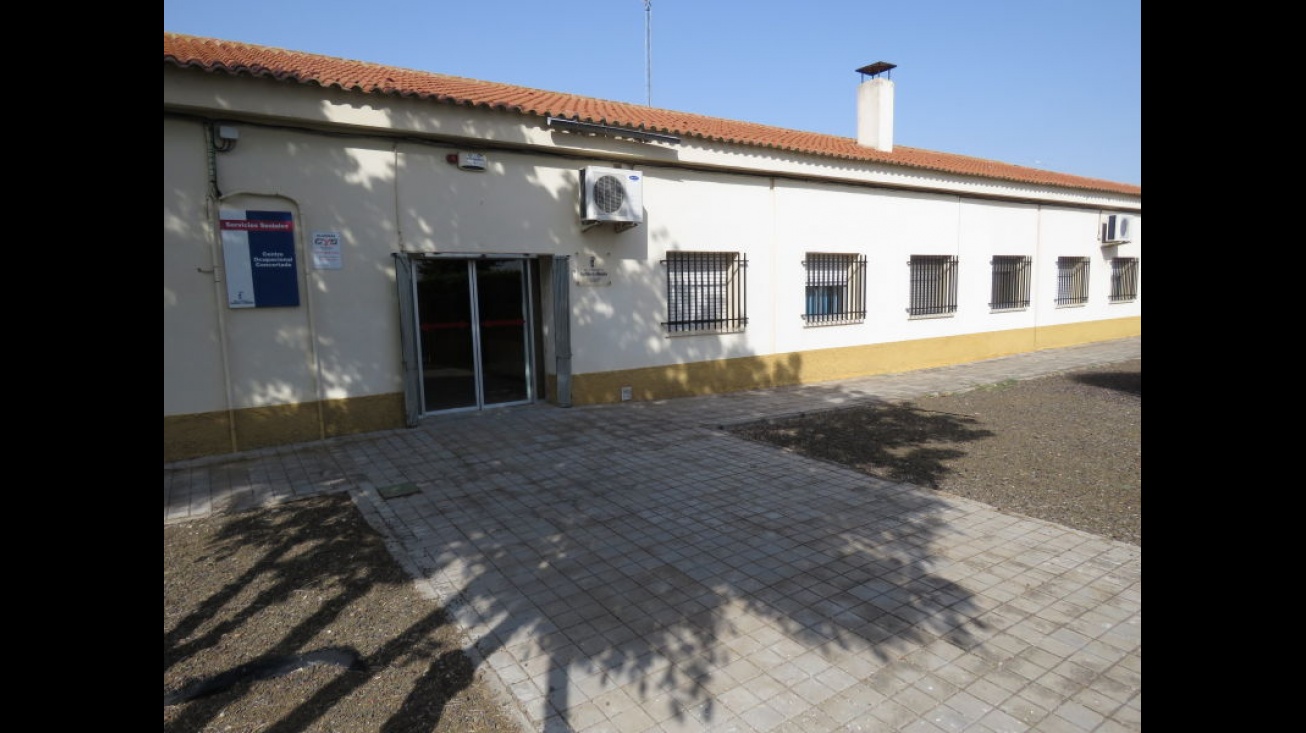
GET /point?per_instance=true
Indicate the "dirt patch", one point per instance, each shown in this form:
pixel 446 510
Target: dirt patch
pixel 246 596
pixel 1066 448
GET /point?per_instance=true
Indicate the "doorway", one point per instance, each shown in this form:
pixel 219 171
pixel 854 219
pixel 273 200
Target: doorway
pixel 474 331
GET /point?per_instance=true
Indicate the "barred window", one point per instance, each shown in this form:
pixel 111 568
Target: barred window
pixel 706 291
pixel 1072 280
pixel 1010 282
pixel 836 288
pixel 1124 279
pixel 933 285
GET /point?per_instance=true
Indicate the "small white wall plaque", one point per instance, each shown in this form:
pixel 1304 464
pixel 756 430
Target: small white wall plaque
pixel 596 276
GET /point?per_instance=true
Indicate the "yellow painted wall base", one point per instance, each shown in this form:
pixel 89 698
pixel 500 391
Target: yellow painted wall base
pixel 760 372
pixel 195 436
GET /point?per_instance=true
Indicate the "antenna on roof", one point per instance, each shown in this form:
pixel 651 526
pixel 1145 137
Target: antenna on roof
pixel 648 50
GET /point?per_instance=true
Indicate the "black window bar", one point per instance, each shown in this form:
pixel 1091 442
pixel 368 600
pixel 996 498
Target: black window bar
pixel 706 291
pixel 836 288
pixel 933 285
pixel 1072 280
pixel 1124 279
pixel 1011 282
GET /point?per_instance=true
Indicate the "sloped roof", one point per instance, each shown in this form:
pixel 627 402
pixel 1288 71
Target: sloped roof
pixel 244 59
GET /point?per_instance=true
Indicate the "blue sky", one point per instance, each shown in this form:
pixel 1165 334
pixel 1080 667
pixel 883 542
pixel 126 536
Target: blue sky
pixel 1053 84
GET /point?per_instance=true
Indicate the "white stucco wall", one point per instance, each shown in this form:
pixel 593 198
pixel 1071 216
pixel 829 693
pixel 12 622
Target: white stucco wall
pixel 342 340
pixel 387 194
pixel 194 379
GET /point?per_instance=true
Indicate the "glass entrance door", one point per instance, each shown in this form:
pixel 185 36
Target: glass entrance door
pixel 473 317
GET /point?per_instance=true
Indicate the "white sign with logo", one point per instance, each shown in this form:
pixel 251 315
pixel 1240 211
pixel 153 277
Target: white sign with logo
pixel 326 251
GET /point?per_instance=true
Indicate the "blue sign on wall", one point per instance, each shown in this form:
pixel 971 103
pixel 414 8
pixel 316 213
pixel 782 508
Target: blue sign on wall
pixel 258 251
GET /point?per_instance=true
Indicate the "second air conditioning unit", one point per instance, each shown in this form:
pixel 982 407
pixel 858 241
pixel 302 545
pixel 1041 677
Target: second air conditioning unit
pixel 1116 229
pixel 611 194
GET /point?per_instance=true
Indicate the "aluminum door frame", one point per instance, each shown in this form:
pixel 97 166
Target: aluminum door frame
pixel 410 336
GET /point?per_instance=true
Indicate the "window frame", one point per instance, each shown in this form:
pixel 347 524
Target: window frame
pixel 706 292
pixel 1124 280
pixel 1072 281
pixel 1011 283
pixel 932 291
pixel 837 282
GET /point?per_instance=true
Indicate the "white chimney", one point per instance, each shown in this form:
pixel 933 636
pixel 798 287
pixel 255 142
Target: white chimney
pixel 875 108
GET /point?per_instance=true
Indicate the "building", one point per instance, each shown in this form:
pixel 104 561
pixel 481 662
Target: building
pixel 349 246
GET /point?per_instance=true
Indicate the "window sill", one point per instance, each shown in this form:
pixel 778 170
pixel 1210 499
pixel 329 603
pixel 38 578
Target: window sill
pixel 843 322
pixel 702 332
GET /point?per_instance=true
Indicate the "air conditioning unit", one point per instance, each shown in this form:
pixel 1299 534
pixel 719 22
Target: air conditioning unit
pixel 611 194
pixel 1116 228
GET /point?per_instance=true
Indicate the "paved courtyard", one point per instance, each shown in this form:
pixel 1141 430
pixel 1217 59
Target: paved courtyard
pixel 634 568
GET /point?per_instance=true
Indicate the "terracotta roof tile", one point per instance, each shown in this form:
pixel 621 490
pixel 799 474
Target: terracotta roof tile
pixel 235 58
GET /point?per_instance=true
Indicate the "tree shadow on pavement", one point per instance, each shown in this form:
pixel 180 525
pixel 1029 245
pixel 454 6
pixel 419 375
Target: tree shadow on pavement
pixel 896 441
pixel 742 558
pixel 597 584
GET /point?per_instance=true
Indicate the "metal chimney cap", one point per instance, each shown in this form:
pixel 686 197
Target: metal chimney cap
pixel 879 67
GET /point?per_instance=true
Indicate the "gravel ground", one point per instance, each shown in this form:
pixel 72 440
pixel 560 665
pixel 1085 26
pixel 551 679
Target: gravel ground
pixel 1065 448
pixel 244 595
pixel 260 587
